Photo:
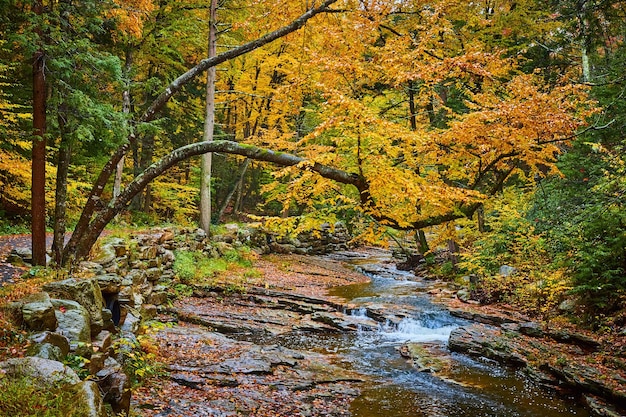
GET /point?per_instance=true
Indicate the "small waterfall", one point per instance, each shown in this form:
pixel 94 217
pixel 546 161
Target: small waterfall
pixel 415 330
pixel 359 312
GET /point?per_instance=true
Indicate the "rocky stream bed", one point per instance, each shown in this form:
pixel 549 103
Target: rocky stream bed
pixel 330 332
pixel 282 351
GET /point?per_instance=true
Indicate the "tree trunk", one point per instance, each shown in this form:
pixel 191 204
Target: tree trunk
pixel 481 218
pixel 147 153
pixel 126 108
pixel 422 243
pixel 453 252
pixel 60 202
pixel 38 185
pixel 209 125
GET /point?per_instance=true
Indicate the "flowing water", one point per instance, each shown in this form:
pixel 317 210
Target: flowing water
pixel 461 387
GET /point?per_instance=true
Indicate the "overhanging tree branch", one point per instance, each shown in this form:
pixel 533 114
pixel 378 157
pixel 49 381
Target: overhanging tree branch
pixel 98 224
pixel 159 103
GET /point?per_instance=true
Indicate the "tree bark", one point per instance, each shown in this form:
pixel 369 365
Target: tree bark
pixel 158 104
pixel 38 184
pixel 126 108
pixel 209 125
pixel 60 202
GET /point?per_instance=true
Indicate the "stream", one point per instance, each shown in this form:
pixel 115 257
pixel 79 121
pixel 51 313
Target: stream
pixel 374 349
pixel 464 387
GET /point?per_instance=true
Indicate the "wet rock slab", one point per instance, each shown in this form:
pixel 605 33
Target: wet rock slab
pixel 212 374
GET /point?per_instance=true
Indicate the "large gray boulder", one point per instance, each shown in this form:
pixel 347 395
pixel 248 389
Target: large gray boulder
pixel 38 312
pixel 47 373
pixel 86 292
pixel 74 323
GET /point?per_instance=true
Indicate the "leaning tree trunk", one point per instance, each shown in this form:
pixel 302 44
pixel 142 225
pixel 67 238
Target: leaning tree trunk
pixel 104 216
pixel 280 158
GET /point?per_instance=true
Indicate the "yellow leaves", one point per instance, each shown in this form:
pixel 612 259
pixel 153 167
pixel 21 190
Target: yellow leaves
pixel 15 172
pixel 174 202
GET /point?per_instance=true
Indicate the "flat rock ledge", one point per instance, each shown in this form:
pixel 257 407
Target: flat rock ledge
pixel 558 360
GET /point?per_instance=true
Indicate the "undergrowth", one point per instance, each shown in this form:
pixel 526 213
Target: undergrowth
pixel 139 356
pixel 20 397
pixel 231 271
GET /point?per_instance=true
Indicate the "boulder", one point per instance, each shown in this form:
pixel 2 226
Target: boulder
pixel 148 311
pixel 46 351
pixel 74 323
pixel 96 363
pixel 46 372
pixel 153 274
pixel 86 292
pixel 115 387
pixel 20 256
pixel 102 341
pixel 147 252
pixel 90 267
pixel 131 321
pixel 106 255
pixel 49 374
pixel 168 256
pixel 158 296
pixel 109 283
pixel 88 398
pixel 423 359
pixel 486 341
pixel 54 338
pixel 38 312
pixel 166 236
pixel 199 234
pixel 507 270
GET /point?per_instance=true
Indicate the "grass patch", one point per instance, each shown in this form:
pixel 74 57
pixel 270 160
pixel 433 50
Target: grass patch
pixel 232 271
pixel 19 397
pixel 194 267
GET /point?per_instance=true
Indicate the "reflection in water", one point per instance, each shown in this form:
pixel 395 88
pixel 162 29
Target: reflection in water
pixel 463 387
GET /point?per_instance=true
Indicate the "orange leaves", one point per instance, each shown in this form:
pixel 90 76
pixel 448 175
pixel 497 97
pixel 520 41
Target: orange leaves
pixel 131 15
pixel 520 122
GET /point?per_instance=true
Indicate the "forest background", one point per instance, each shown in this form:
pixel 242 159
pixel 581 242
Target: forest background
pixel 497 125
